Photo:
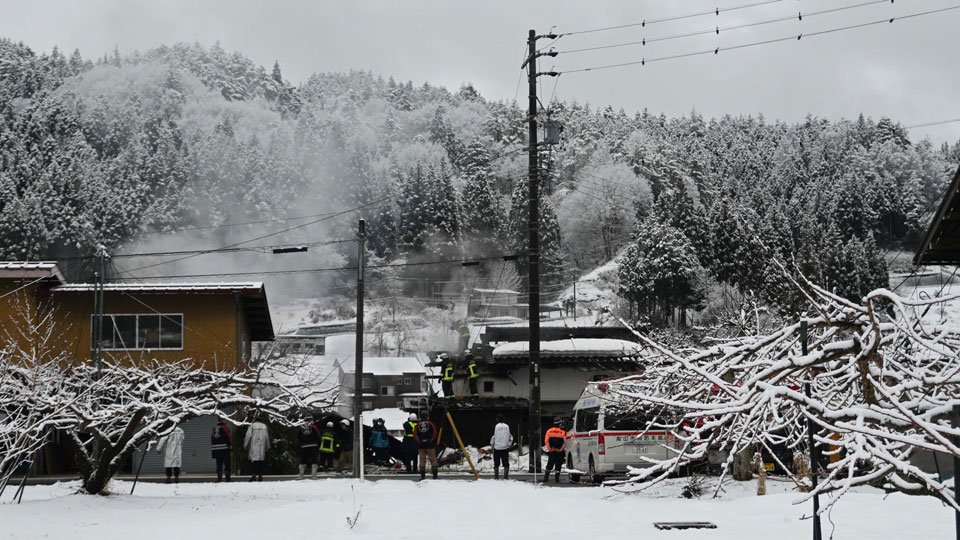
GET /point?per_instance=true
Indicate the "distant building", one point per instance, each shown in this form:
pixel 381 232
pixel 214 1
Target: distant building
pixel 388 383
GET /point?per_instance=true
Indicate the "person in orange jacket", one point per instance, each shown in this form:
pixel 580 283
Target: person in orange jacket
pixel 555 439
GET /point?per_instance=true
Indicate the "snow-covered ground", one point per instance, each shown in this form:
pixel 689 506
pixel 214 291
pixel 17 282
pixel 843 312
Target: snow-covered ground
pixel 485 509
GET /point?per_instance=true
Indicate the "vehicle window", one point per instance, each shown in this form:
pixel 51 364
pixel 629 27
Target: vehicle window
pixel 626 421
pixel 588 419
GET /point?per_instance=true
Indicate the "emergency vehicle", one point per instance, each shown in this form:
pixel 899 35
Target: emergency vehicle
pixel 610 434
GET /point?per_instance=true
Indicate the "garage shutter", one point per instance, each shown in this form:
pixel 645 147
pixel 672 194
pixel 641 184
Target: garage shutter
pixel 196 450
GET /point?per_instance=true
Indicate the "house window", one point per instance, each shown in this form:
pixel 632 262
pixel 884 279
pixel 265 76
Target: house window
pixel 320 347
pixel 399 404
pixel 487 386
pixel 147 331
pixel 387 390
pixel 367 383
pixel 407 381
pixel 367 405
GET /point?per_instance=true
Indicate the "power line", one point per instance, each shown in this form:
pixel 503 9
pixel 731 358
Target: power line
pixel 251 249
pixel 797 37
pixel 716 30
pixel 934 123
pixel 288 229
pixel 645 22
pixel 327 269
pixel 225 225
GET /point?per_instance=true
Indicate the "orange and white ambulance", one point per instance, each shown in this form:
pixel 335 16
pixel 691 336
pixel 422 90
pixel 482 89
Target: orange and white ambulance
pixel 610 433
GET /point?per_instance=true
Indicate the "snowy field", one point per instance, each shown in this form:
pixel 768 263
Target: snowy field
pixel 487 509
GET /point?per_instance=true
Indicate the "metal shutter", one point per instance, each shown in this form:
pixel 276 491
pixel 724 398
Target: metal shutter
pixel 196 450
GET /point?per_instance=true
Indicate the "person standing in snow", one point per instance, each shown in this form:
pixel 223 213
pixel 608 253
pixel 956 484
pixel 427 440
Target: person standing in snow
pixel 171 446
pixel 221 444
pixel 555 439
pixel 426 436
pixel 380 442
pixel 501 442
pixel 346 445
pixel 309 437
pixel 257 442
pixel 409 445
pixel 329 446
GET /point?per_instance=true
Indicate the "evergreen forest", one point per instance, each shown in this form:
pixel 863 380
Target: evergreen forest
pixel 184 142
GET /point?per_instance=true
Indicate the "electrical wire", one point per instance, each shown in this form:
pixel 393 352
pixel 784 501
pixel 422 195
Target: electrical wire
pixel 645 61
pixel 716 30
pixel 934 123
pixel 645 22
pixel 288 229
pixel 329 269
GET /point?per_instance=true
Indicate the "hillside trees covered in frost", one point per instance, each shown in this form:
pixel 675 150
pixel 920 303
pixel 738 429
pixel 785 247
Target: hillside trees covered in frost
pixel 191 136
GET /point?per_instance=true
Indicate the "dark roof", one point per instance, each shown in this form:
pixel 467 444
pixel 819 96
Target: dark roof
pixel 941 244
pixel 495 334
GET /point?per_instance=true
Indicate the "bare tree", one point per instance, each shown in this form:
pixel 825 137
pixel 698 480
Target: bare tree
pixel 109 412
pixel 883 381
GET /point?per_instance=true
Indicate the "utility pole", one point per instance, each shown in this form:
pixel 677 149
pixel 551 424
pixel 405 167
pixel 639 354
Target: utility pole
pixel 817 532
pixel 98 279
pixel 358 366
pixel 533 263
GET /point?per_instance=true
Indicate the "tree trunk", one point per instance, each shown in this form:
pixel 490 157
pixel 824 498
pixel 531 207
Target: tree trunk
pixel 742 468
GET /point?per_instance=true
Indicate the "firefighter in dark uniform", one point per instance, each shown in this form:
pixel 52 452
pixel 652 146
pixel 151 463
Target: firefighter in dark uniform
pixel 472 376
pixel 447 370
pixel 409 444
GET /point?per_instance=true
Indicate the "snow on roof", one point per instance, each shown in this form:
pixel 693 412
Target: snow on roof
pixel 30 269
pixel 496 291
pixel 395 365
pixel 393 419
pixel 573 347
pixel 163 287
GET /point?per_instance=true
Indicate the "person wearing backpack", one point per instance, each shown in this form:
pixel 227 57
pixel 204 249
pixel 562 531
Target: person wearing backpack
pixel 221 444
pixel 309 437
pixel 329 446
pixel 426 437
pixel 380 442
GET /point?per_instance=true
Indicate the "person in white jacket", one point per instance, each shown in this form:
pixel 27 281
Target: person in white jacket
pixel 257 442
pixel 501 442
pixel 171 446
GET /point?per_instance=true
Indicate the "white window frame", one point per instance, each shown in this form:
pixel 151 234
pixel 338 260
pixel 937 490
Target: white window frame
pixel 368 405
pixel 367 383
pixel 407 381
pixel 183 326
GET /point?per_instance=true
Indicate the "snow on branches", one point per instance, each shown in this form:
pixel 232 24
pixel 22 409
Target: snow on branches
pixel 107 414
pixel 883 381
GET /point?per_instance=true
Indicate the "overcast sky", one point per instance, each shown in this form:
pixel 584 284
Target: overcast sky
pixel 904 70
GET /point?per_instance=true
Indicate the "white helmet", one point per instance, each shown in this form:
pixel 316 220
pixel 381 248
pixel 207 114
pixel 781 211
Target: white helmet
pixel 345 422
pixel 412 417
pixel 329 424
